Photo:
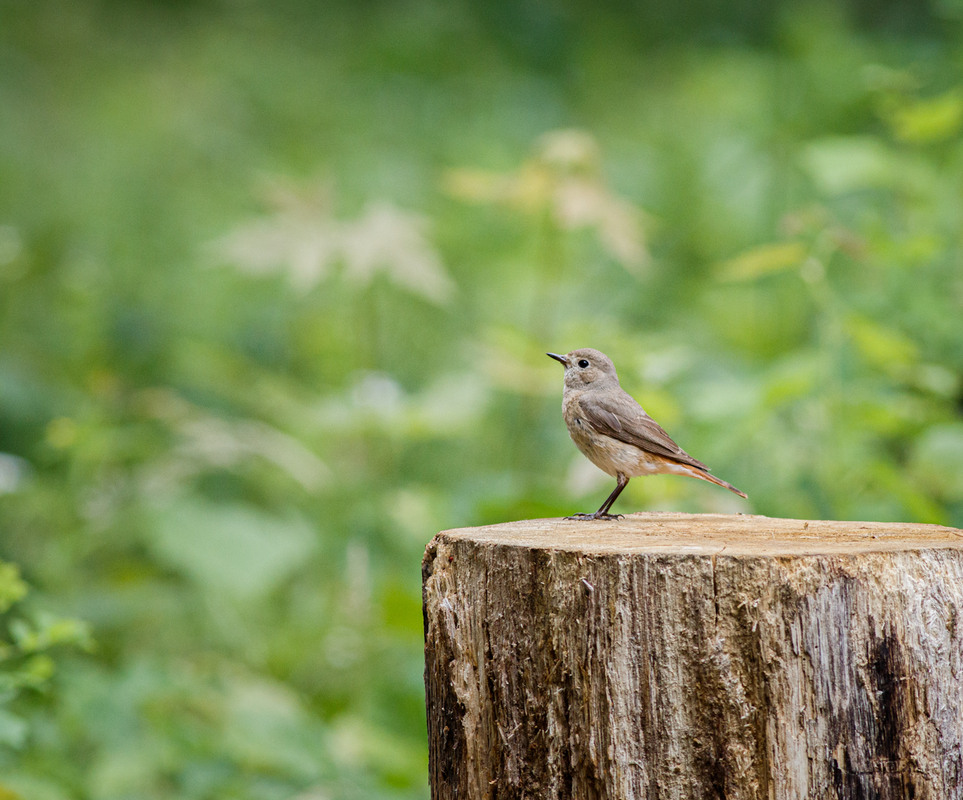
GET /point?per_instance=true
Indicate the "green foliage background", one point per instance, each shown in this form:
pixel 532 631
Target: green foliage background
pixel 276 283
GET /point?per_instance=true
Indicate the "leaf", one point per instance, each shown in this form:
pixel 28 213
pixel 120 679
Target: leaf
pixel 934 119
pixel 48 630
pixel 33 673
pixel 13 733
pixel 883 347
pixel 763 260
pixel 266 727
pixel 844 164
pixel 791 379
pixel 12 587
pixel 6 793
pixel 232 548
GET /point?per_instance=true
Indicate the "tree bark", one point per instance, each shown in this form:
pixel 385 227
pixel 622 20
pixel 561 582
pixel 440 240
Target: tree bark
pixel 677 656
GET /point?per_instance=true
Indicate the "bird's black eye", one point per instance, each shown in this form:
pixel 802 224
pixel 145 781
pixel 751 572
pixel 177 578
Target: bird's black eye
pixel 583 363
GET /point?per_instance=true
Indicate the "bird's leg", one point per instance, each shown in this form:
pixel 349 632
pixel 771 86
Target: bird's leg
pixel 603 512
pixel 620 483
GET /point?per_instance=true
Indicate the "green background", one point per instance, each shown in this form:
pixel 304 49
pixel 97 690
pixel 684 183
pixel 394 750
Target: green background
pixel 276 284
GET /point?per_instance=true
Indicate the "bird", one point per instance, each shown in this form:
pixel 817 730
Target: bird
pixel 613 431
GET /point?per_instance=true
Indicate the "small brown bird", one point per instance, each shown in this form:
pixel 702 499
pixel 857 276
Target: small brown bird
pixel 614 432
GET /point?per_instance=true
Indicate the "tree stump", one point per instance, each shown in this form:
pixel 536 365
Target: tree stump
pixel 695 656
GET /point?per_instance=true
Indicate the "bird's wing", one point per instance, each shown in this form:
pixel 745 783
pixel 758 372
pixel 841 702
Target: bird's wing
pixel 621 418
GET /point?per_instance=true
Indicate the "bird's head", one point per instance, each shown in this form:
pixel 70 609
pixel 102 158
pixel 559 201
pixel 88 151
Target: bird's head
pixel 587 368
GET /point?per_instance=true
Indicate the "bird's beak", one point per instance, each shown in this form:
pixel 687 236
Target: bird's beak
pixel 561 359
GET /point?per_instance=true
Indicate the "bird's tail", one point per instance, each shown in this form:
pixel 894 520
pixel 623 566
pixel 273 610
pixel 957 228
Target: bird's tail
pixel 707 476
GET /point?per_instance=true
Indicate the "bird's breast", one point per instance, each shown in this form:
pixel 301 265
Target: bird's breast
pixel 612 456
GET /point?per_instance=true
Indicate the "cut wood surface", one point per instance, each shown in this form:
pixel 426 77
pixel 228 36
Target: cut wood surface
pixel 695 656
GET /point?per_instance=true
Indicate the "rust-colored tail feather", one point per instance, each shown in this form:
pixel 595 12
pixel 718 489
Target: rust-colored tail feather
pixel 708 476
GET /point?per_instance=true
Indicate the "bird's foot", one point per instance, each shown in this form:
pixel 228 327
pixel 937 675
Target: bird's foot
pixel 596 515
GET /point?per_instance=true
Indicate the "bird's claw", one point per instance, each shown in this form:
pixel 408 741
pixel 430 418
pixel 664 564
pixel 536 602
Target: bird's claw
pixel 596 515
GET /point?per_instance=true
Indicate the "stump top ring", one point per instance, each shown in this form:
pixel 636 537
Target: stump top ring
pixel 713 534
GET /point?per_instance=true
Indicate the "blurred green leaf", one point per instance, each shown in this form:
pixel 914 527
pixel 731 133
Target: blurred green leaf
pixel 46 630
pixel 12 587
pixel 929 120
pixel 846 164
pixel 267 728
pixel 7 793
pixel 882 347
pixel 792 379
pixel 763 260
pixel 13 731
pixel 232 548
